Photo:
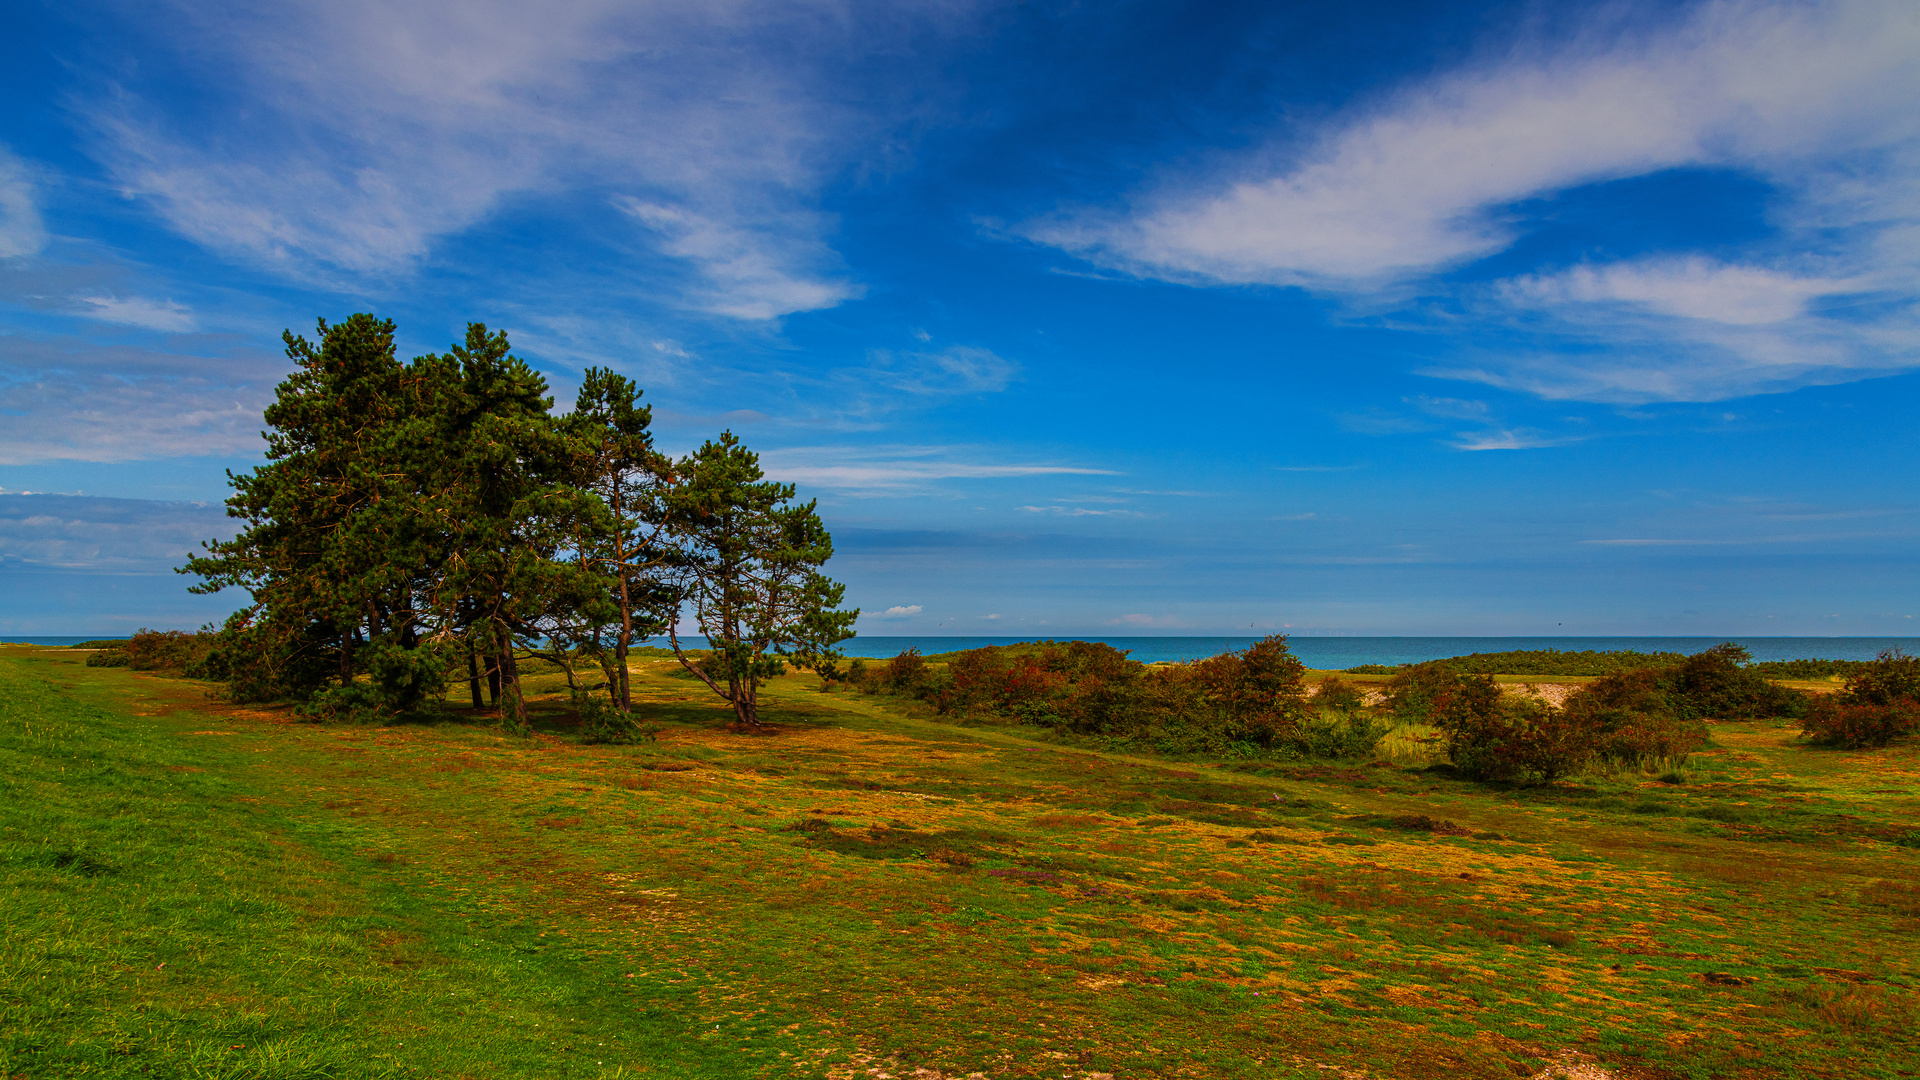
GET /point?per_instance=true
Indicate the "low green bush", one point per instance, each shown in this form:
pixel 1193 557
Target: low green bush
pixel 1880 703
pixel 1717 683
pixel 173 651
pixel 1635 717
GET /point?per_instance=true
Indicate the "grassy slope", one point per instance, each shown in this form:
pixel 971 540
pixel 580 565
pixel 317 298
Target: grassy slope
pixel 442 900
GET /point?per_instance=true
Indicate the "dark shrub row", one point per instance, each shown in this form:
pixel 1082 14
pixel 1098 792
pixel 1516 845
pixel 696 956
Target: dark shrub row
pixel 1537 662
pixel 1251 702
pixel 1808 669
pixel 1590 662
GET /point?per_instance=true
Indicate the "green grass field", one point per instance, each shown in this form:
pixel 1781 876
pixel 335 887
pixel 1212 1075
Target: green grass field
pixel 197 890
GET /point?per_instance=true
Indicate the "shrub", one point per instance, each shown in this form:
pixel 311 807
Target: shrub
pixel 266 662
pixel 906 674
pixel 1537 662
pixel 1834 721
pixel 602 722
pixel 1415 694
pixel 1558 662
pixel 1632 718
pixel 1891 677
pixel 1717 683
pixel 1334 733
pixel 1880 703
pixel 1490 736
pixel 156 650
pixel 1338 693
pixel 1255 695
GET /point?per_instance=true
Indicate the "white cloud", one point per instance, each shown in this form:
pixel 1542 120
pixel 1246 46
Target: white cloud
pixel 893 469
pixel 1685 288
pixel 1414 183
pixel 67 400
pixel 348 136
pixel 70 532
pixel 162 315
pixel 747 273
pixel 897 612
pixel 21 230
pixel 1817 99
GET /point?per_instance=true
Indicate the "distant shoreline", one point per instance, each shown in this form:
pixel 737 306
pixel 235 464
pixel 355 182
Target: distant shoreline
pixel 1327 653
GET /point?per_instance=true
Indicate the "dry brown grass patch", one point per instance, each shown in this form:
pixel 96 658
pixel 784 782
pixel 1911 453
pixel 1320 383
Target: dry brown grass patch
pixel 1052 821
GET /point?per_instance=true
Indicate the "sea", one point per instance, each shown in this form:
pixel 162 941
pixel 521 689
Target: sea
pixel 1338 653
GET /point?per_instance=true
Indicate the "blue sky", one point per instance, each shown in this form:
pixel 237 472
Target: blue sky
pixel 1388 318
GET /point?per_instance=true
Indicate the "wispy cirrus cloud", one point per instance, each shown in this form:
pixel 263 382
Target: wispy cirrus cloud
pixel 1383 199
pixel 138 311
pixel 346 139
pixel 78 532
pixel 71 400
pixel 22 232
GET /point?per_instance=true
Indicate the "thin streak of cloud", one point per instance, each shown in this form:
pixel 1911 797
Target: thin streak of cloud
pixel 162 315
pixel 898 469
pixel 1078 511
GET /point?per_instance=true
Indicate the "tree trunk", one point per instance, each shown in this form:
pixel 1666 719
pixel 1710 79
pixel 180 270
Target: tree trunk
pixel 473 676
pixel 514 709
pixel 622 695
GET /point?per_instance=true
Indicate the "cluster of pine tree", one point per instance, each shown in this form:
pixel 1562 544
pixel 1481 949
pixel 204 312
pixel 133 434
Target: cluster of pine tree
pixel 418 522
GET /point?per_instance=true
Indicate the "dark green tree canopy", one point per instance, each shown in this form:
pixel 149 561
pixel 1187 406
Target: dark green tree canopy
pixel 415 515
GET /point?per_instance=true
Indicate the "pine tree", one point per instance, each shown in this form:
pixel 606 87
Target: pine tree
pixel 335 541
pixel 750 567
pixel 615 460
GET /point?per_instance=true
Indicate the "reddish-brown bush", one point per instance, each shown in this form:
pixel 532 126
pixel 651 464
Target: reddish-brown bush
pixel 1836 720
pixel 1880 703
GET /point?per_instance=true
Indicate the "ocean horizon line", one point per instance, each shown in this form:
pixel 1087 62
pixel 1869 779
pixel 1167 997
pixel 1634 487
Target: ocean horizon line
pixel 1324 652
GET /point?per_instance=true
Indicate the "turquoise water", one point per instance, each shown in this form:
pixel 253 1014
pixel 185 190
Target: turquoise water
pixel 1333 653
